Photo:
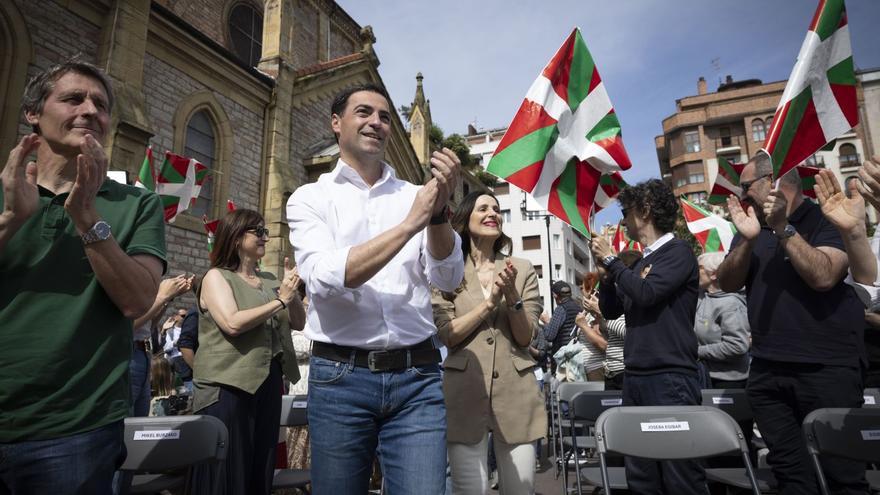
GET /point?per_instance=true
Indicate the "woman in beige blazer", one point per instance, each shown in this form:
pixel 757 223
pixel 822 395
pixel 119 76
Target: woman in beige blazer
pixel 489 381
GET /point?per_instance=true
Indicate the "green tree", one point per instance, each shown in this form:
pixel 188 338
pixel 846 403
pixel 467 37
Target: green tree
pixel 681 231
pixel 458 145
pixel 435 136
pixel 405 112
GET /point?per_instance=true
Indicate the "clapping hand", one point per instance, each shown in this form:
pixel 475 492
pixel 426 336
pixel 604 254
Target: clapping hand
pixel 847 214
pixel 289 283
pixel 870 187
pixel 445 167
pixel 21 199
pixel 91 170
pixel 746 222
pixel 506 282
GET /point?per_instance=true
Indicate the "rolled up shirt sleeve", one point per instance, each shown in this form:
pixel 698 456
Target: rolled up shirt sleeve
pixel 445 274
pixel 321 266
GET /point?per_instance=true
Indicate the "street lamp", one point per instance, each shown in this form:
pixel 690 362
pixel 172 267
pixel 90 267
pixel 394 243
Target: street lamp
pixel 534 214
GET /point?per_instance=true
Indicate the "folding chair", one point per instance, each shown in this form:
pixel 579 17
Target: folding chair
pixel 872 397
pixel 564 393
pixel 735 402
pixel 293 413
pixel 849 433
pixel 157 445
pixel 586 407
pixel 669 433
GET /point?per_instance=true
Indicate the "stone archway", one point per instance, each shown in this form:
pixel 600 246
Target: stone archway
pixel 16 52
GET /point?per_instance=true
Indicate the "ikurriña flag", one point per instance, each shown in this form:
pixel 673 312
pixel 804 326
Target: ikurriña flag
pixel 819 102
pixel 564 137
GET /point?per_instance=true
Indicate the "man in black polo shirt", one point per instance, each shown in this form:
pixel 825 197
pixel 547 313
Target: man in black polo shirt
pixel 658 295
pixel 558 330
pixel 806 322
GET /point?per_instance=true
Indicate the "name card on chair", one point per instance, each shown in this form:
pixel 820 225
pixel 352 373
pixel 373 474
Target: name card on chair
pixel 666 426
pixel 869 400
pixel 299 404
pixel 157 435
pixel 612 402
pixel 722 400
pixel 870 434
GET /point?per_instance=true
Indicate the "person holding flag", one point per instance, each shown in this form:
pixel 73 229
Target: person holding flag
pixel 658 295
pixel 806 323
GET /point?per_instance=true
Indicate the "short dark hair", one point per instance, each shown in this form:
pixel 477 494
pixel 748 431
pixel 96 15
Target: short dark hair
pixel 657 197
pixel 340 101
pixel 39 87
pixel 227 239
pixel 461 219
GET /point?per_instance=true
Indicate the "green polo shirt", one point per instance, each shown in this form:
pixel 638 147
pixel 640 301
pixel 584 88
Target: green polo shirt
pixel 64 345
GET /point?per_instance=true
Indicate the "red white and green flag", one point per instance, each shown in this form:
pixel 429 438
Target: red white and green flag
pixel 178 183
pixel 211 225
pixel 713 232
pixel 621 242
pixel 808 180
pixel 147 175
pixel 726 182
pixel 819 101
pixel 609 187
pixel 564 136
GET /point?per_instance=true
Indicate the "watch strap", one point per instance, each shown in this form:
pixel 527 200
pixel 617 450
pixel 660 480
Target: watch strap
pixel 441 217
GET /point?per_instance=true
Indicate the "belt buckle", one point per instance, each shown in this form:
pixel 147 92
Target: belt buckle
pixel 372 357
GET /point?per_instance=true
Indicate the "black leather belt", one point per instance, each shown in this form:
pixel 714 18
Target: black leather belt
pixel 394 359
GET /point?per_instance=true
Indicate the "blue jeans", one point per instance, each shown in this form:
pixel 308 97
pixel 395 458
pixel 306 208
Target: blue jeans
pixel 645 476
pixel 355 414
pixel 78 464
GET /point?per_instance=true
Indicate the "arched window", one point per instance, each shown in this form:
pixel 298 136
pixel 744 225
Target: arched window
pixel 201 145
pixel 246 33
pixel 758 131
pixel 849 157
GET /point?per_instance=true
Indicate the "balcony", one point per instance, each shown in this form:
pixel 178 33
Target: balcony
pixel 849 161
pixel 726 144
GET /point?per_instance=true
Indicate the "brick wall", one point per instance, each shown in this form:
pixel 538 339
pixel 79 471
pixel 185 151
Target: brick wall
pixel 165 87
pixel 208 16
pixel 305 33
pixel 340 44
pixel 310 125
pixel 57 35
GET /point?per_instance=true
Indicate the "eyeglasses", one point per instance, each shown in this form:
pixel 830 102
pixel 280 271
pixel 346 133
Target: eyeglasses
pixel 259 231
pixel 746 184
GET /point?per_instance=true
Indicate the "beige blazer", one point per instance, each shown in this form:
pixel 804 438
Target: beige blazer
pixel 489 381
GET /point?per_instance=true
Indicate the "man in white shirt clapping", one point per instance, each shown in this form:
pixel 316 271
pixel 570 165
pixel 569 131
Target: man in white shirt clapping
pixel 368 245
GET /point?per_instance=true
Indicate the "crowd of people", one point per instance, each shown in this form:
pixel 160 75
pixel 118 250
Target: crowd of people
pixel 386 281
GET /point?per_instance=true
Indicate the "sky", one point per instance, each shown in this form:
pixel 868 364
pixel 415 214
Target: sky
pixel 478 58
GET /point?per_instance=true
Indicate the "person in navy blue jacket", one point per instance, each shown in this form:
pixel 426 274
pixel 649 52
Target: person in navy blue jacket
pixel 658 295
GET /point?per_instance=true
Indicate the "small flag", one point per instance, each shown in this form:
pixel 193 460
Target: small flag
pixel 712 232
pixel 609 187
pixel 622 242
pixel 819 101
pixel 808 180
pixel 726 182
pixel 147 175
pixel 564 136
pixel 179 183
pixel 211 225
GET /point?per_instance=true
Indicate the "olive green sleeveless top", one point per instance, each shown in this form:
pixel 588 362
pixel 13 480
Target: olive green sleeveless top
pixel 242 361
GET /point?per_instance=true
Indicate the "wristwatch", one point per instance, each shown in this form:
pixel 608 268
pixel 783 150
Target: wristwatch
pixel 516 306
pixel 441 217
pixel 787 232
pixel 606 261
pixel 99 232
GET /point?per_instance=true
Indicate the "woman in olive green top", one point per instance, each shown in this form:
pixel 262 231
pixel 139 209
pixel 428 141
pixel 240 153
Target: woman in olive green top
pixel 489 381
pixel 244 347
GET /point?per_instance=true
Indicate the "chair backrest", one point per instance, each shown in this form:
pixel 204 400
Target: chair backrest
pixel 293 410
pixel 850 433
pixel 568 390
pixel 589 405
pixel 733 401
pixel 168 442
pixel 668 432
pixel 872 397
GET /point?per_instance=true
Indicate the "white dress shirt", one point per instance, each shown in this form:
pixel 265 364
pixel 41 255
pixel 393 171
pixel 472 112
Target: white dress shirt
pixel 663 239
pixel 392 309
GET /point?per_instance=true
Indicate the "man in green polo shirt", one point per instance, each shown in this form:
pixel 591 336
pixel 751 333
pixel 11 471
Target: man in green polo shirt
pixel 80 257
